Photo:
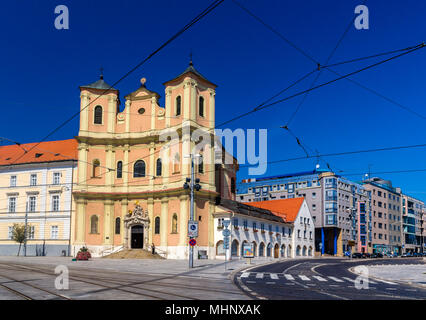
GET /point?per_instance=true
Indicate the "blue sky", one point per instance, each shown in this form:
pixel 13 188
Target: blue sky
pixel 42 68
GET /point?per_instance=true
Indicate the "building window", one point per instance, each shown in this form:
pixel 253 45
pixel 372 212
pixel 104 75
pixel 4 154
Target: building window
pixel 157 225
pixel 13 181
pixel 98 115
pixel 12 204
pixel 119 169
pixel 54 232
pixel 139 169
pixel 201 106
pixel 55 202
pixel 178 105
pixel 33 180
pixel 117 225
pixel 56 177
pixel 94 224
pixel 254 226
pixel 200 164
pixel 159 167
pixel 31 232
pixel 32 203
pixel 175 223
pixel 96 170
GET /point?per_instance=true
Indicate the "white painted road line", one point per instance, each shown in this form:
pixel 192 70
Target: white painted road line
pixel 274 276
pixel 304 278
pixel 288 277
pixel 259 276
pixel 270 282
pixel 335 279
pixel 250 281
pixel 387 282
pixel 319 278
pixel 245 275
pixel 349 279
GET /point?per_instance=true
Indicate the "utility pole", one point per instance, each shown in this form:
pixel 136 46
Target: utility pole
pixel 25 229
pixel 193 184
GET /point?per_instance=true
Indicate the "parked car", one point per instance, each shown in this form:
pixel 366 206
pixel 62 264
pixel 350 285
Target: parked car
pixel 407 255
pixel 390 255
pixel 366 255
pixel 357 255
pixel 417 254
pixel 376 255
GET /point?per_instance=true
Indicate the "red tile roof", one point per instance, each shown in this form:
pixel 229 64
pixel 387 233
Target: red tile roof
pixel 285 208
pixel 47 151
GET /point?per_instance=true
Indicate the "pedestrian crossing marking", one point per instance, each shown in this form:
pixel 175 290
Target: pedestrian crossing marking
pixel 259 276
pixel 335 279
pixel 304 278
pixel 245 275
pixel 288 277
pixel 387 282
pixel 319 278
pixel 274 276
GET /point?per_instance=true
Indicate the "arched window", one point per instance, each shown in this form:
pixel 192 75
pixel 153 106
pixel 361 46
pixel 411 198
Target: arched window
pixel 289 251
pixel 159 167
pixel 261 249
pixel 220 251
pixel 119 169
pixel 233 185
pixel 174 223
pixel 178 105
pixel 157 225
pixel 283 251
pixel 139 169
pixel 98 115
pixel 94 224
pixel 304 250
pixel 234 248
pixel 255 248
pixel 298 251
pixel 268 250
pixel 96 168
pixel 117 225
pixel 310 251
pixel 201 107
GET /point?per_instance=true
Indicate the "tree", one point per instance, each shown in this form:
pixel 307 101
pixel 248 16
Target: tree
pixel 18 234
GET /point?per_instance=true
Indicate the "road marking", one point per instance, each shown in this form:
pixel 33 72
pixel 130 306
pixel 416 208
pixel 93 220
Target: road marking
pixel 319 278
pixel 288 277
pixel 250 281
pixel 259 276
pixel 270 282
pixel 390 288
pixel 304 278
pixel 412 290
pixel 274 276
pixel 349 279
pixel 245 275
pixel 335 279
pixel 387 282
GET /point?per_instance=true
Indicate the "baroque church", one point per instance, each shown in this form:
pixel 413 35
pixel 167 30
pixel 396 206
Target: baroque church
pixel 129 190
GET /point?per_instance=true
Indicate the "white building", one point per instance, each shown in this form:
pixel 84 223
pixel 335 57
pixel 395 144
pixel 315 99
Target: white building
pixel 277 229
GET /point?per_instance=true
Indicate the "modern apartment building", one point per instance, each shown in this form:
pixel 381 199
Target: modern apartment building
pixel 340 209
pixel 386 218
pixel 412 224
pixel 37 183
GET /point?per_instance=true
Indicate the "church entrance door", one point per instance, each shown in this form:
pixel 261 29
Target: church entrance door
pixel 137 237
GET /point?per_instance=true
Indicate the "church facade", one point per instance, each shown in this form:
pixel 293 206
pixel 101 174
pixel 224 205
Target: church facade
pixel 133 164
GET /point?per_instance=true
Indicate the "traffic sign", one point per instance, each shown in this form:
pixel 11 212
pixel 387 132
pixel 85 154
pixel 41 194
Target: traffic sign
pixel 192 242
pixel 226 223
pixel 192 229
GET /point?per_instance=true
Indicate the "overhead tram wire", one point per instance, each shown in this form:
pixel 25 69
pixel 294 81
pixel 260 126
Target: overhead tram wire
pixel 201 15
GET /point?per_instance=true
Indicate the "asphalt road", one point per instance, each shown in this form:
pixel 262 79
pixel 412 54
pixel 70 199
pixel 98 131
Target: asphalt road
pixel 323 279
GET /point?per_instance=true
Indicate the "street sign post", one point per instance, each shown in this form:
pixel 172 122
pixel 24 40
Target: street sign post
pixel 226 233
pixel 192 229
